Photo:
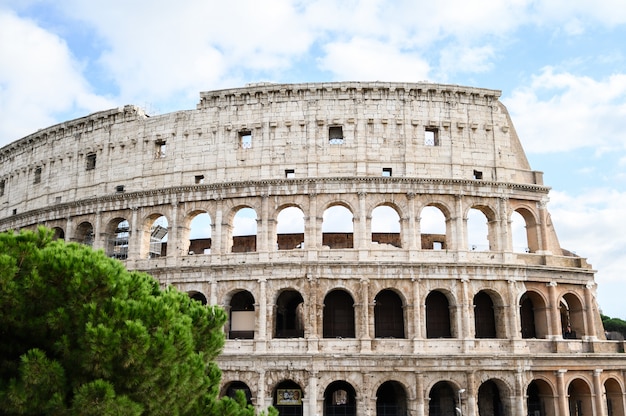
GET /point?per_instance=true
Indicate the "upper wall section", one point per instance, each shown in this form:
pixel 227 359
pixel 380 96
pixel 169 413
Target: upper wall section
pixel 270 131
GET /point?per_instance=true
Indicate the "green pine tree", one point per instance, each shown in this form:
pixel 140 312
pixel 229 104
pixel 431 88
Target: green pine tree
pixel 81 335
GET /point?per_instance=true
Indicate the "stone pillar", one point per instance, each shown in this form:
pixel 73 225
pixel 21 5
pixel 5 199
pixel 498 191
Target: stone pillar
pixel 362 239
pixel 366 339
pixel 69 229
pixel 260 398
pixel 598 394
pixel 555 315
pixel 217 231
pixel 543 223
pixel 134 239
pixel 263 226
pixel 418 332
pixel 458 236
pixel 519 397
pixel 174 245
pixel 419 395
pixel 98 244
pixel 312 393
pixel 515 328
pixel 312 232
pixel 465 311
pixel 563 405
pixel 590 312
pixel 413 239
pixel 506 242
pixel 471 392
pixel 262 315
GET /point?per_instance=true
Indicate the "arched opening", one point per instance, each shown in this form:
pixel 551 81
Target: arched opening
pixel 84 234
pixel 388 315
pixel 386 226
pixel 477 231
pixel 287 398
pixel 391 399
pixel 157 236
pixel 540 399
pixel 231 389
pixel 337 228
pixel 614 398
pixel 533 316
pixel 244 231
pixel 572 317
pixel 338 315
pixel 290 229
pixel 242 316
pixel 118 235
pixel 200 234
pixel 433 229
pixel 289 315
pixel 489 400
pixel 579 395
pixel 198 296
pixel 339 399
pixel 437 316
pixel 484 316
pixel 524 231
pixel 59 234
pixel 442 400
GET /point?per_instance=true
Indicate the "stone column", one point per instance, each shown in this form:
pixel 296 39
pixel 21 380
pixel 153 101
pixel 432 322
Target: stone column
pixel 471 392
pixel 598 394
pixel 217 230
pixel 515 328
pixel 262 315
pixel 174 245
pixel 506 242
pixel 590 312
pixel 563 404
pixel 555 316
pixel 364 335
pixel 543 223
pixel 418 321
pixel 260 398
pixel 458 236
pixel 69 229
pixel 520 395
pixel 465 310
pixel 419 395
pixel 312 393
pixel 413 239
pixel 98 244
pixel 360 234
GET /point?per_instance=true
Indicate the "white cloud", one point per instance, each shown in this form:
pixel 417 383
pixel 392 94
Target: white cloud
pixel 591 225
pixel 560 111
pixel 39 79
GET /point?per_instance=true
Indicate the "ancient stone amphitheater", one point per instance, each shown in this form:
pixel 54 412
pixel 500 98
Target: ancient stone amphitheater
pixel 381 248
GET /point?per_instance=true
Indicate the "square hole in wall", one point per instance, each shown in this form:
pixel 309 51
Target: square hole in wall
pixel 478 174
pixel 245 139
pixel 335 135
pixel 199 179
pixel 431 136
pixel 387 172
pixel 290 173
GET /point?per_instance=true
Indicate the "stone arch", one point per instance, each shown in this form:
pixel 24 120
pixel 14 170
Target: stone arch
pixel 117 236
pixel 338 226
pixel 198 296
pixel 438 315
pixel 290 228
pixel 391 399
pixel 540 398
pixel 389 319
pixel 231 388
pixel 287 398
pixel 244 229
pixel 154 237
pixel 340 399
pixel 572 316
pixel 339 316
pixel 434 227
pixel 490 319
pixel 526 231
pixel 58 233
pixel 494 398
pixel 242 315
pixel 533 315
pixel 614 394
pixel 197 232
pixel 386 225
pixel 289 319
pixel 579 398
pixel 84 233
pixel 481 228
pixel 443 399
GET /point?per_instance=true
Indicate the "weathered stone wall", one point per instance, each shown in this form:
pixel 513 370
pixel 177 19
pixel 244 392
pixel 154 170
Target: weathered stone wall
pixel 105 179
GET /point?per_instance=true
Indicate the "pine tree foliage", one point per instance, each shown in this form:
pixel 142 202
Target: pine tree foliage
pixel 81 335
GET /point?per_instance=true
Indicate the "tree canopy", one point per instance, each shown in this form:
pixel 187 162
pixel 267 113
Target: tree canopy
pixel 79 334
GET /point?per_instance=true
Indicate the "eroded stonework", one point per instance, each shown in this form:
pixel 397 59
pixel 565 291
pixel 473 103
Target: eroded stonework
pixel 395 310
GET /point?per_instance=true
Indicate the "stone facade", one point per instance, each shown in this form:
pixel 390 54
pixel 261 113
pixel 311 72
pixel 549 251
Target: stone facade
pixel 400 319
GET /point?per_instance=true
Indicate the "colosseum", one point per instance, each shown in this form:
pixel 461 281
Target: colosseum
pixel 380 248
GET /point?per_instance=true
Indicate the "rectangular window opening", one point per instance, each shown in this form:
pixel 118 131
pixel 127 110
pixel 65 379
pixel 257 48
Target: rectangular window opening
pixel 119 188
pixel 161 148
pixel 335 135
pixel 91 161
pixel 387 172
pixel 290 173
pixel 37 175
pixel 437 245
pixel 431 136
pixel 2 184
pixel 245 139
pixel 199 179
pixel 478 174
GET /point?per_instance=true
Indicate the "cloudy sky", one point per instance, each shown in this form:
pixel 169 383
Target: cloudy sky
pixel 561 66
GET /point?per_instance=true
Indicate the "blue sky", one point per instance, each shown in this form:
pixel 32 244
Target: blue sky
pixel 560 64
